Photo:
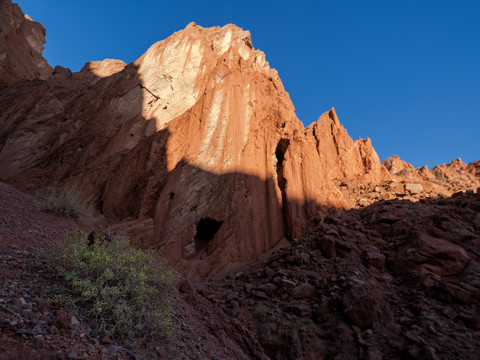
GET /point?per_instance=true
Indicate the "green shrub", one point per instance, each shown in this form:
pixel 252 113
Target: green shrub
pixel 70 200
pixel 122 292
pixel 260 311
pixel 266 328
pixel 299 326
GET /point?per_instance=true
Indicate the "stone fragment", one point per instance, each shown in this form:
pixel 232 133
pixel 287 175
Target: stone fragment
pixel 260 294
pixel 375 258
pixel 428 254
pixel 36 330
pixel 413 188
pixel 287 284
pixel 105 340
pixel 268 288
pixel 303 291
pixel 62 321
pixel 374 354
pixel 327 245
pixel 413 337
pixel 457 292
pixel 361 307
pixel 430 353
pixel 299 309
pixel 75 321
pixel 248 288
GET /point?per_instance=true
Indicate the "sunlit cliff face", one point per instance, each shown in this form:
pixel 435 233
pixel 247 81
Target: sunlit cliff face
pixel 194 149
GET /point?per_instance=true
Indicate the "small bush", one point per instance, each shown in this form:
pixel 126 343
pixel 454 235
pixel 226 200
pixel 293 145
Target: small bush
pixel 124 293
pixel 266 328
pixel 70 200
pixel 299 326
pixel 260 311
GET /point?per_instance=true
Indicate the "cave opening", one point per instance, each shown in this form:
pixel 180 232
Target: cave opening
pixel 205 232
pixel 280 151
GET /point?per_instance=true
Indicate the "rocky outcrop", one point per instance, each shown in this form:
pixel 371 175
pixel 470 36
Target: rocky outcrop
pixel 21 46
pixel 394 164
pixel 403 281
pixel 340 156
pixel 194 148
pixel 451 177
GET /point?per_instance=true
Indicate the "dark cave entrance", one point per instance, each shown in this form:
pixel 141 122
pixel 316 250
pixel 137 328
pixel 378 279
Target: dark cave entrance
pixel 280 151
pixel 206 230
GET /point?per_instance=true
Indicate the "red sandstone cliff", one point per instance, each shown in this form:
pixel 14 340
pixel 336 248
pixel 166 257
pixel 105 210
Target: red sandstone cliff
pixel 194 149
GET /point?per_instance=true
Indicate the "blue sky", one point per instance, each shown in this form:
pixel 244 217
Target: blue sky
pixel 404 73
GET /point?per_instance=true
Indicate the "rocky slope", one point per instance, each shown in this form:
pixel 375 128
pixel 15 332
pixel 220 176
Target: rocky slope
pixel 414 184
pixel 31 328
pixel 396 280
pixel 194 148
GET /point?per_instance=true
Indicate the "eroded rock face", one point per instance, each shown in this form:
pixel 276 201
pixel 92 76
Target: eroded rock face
pixel 394 164
pixel 340 156
pixel 193 149
pixel 21 46
pixel 443 180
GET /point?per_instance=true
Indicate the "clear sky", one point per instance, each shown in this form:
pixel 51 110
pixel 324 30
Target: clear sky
pixel 404 73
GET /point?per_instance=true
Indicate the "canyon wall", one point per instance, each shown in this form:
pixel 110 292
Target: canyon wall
pixel 194 149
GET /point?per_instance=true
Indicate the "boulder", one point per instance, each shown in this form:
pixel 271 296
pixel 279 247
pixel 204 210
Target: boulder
pixel 361 307
pixel 428 254
pixel 303 291
pixel 413 188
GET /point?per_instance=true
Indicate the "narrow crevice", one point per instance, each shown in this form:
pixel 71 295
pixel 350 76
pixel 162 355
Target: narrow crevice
pixel 331 115
pixel 280 151
pixel 205 232
pixel 151 93
pixel 334 138
pixel 317 140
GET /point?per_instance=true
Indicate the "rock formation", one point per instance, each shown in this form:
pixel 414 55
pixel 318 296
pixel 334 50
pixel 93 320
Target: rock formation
pixel 394 164
pixel 194 148
pixel 397 279
pixel 21 46
pixel 340 156
pixel 445 179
